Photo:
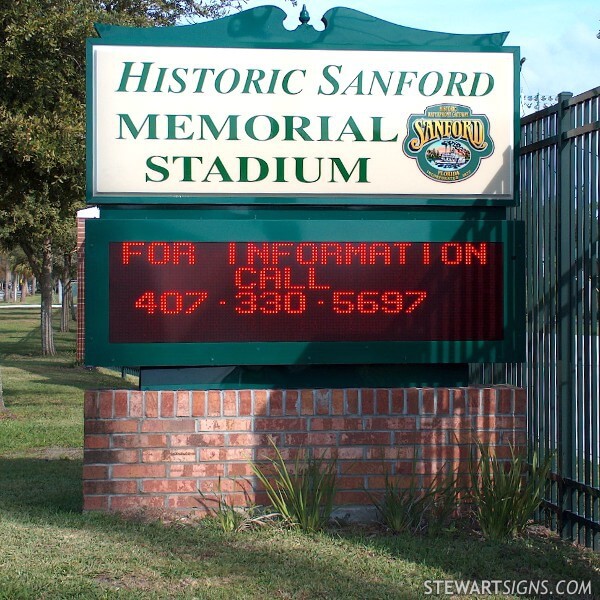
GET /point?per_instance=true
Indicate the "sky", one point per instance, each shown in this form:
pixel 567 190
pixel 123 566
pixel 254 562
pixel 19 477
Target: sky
pixel 557 38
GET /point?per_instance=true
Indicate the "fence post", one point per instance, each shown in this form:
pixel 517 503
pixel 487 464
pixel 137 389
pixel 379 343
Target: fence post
pixel 564 330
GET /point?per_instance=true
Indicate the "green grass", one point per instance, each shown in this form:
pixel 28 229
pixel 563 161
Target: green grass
pixel 50 550
pixel 43 395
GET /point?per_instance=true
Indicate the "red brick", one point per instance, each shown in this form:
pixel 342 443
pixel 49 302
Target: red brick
pixel 445 422
pixel 214 404
pixel 419 467
pixel 199 403
pixel 390 423
pixel 136 404
pixel 311 439
pixel 350 483
pixel 220 485
pixel 183 404
pixel 443 401
pixel 291 403
pixel 245 401
pixel 276 403
pixel 96 441
pixel 94 472
pixel 120 426
pixel 365 438
pixel 110 457
pixel 172 455
pixel 458 402
pixel 307 402
pixel 139 441
pixel 138 471
pixel 280 424
pixel 197 470
pixel 183 501
pixel 95 503
pixel 224 424
pixel 397 401
pixel 412 401
pixel 230 403
pixel 420 437
pixel 336 424
pixel 119 503
pixel 151 404
pixel 350 453
pixel 167 404
pixel 196 440
pixel 239 470
pixel 237 454
pixel 382 402
pixel 337 402
pixel 260 403
pixel 352 402
pixel 169 425
pixel 428 401
pixel 323 401
pixel 247 439
pixel 109 487
pixel 474 401
pixel 105 404
pixel 162 486
pixel 121 404
pixel 391 453
pixel 505 404
pixel 216 454
pixel 90 405
pixel 446 452
pixel 493 422
pixel 364 468
pixel 367 402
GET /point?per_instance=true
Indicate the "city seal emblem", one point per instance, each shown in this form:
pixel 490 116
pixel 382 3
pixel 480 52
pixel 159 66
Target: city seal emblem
pixel 448 142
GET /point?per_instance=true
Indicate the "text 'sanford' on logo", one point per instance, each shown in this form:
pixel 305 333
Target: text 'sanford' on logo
pixel 448 142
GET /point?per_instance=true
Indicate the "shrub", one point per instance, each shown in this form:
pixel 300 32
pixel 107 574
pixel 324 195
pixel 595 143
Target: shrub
pixel 303 493
pixel 505 494
pixel 230 517
pixel 416 508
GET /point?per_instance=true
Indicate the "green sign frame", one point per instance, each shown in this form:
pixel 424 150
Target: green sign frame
pixel 346 30
pixel 324 225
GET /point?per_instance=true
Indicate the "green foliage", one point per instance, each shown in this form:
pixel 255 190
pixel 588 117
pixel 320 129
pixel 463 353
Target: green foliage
pixel 506 494
pixel 301 493
pixel 414 507
pixel 230 517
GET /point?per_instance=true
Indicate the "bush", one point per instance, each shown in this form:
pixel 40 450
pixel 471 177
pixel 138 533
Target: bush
pixel 303 494
pixel 416 508
pixel 505 494
pixel 230 517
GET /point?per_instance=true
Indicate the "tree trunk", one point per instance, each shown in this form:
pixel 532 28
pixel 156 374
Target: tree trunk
pixel 24 289
pixel 46 288
pixel 8 286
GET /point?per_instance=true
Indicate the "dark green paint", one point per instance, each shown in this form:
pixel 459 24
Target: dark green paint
pixel 262 27
pixel 326 227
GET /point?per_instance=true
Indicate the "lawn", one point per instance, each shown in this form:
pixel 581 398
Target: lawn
pixel 50 550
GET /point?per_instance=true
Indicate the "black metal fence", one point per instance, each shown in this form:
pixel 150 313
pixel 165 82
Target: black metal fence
pixel 560 187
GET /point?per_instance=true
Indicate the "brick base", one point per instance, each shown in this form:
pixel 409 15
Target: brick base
pixel 156 449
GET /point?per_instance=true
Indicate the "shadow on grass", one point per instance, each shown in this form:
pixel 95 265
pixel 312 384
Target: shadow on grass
pixel 31 485
pixel 341 564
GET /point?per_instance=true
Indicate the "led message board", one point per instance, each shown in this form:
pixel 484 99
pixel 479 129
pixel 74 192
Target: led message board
pixel 210 292
pixel 331 117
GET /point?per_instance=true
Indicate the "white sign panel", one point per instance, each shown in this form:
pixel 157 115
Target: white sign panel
pixel 172 121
